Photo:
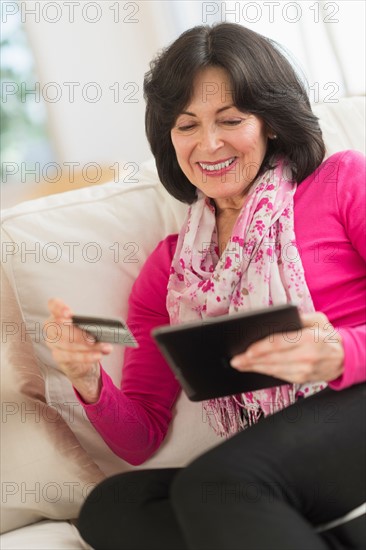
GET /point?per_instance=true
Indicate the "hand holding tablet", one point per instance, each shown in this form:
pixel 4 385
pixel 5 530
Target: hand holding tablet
pixel 199 353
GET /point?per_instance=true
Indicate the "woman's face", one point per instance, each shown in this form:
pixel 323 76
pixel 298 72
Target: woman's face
pixel 219 148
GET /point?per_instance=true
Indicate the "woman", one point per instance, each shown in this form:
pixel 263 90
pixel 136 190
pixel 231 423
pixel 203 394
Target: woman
pixel 232 132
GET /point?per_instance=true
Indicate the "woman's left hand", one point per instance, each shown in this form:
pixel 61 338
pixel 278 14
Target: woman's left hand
pixel 313 354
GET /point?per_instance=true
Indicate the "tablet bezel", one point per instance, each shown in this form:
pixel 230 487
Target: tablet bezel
pixel 205 372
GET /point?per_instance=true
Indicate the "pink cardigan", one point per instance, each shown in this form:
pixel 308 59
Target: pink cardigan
pixel 330 231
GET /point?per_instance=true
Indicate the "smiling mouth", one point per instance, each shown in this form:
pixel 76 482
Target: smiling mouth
pixel 218 166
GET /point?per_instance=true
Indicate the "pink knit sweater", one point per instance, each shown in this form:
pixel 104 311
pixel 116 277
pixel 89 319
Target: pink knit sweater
pixel 330 213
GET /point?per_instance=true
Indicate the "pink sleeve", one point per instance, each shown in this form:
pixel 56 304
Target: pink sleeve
pixel 351 196
pixel 354 343
pixel 133 420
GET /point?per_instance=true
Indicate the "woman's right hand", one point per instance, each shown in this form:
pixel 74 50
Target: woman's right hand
pixel 76 352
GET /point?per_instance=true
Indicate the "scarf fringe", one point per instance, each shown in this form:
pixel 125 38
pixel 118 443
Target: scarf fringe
pixel 229 415
pixel 225 415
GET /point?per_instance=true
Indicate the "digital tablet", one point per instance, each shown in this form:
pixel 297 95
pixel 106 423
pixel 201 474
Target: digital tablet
pixel 199 353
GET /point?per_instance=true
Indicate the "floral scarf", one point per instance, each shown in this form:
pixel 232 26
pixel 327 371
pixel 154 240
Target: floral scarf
pixel 259 267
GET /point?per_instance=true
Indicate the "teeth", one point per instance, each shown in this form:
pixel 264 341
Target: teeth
pixel 219 166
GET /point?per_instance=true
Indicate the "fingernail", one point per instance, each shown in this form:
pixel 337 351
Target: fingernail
pixel 235 362
pixel 90 340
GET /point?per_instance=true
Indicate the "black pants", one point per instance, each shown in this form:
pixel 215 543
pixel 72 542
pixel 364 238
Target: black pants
pixel 263 489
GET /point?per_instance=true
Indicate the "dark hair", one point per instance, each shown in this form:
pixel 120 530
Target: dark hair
pixel 263 83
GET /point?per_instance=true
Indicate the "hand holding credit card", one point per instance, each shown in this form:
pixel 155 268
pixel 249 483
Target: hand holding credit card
pixel 112 331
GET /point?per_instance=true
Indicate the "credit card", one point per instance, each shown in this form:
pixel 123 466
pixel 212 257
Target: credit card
pixel 112 331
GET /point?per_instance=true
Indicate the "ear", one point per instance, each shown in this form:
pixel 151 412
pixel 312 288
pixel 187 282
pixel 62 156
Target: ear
pixel 271 134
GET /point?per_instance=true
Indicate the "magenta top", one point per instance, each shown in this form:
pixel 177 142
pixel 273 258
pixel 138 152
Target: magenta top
pixel 329 212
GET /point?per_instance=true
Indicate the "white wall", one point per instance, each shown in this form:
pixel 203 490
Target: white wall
pixel 111 54
pixel 327 39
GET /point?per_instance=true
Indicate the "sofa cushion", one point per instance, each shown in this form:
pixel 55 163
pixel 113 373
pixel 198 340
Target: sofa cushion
pixel 45 535
pixel 343 123
pixel 45 473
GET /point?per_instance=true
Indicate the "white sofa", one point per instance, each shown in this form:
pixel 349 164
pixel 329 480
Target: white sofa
pixel 87 247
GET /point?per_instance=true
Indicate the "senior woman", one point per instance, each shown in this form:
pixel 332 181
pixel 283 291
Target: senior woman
pixel 233 135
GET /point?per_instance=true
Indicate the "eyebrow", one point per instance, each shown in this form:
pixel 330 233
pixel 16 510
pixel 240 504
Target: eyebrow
pixel 218 110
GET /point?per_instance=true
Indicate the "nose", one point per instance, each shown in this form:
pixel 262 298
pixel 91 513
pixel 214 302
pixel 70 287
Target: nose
pixel 210 139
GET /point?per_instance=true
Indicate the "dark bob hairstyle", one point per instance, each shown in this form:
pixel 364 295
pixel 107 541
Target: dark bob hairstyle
pixel 263 83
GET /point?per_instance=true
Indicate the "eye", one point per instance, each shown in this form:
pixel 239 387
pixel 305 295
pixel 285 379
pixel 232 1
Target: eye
pixel 185 127
pixel 232 122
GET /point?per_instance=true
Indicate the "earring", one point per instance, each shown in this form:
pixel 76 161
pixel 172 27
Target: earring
pixel 274 136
